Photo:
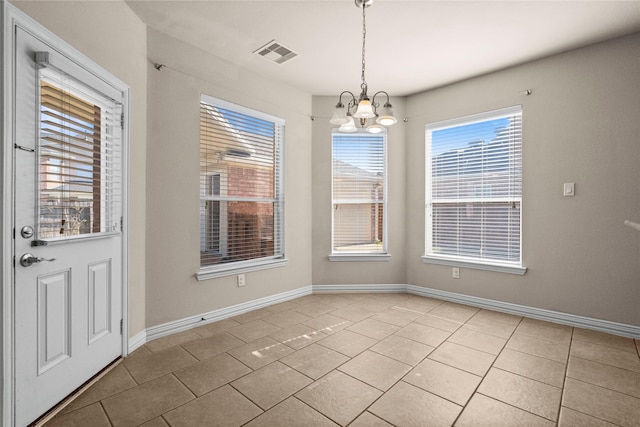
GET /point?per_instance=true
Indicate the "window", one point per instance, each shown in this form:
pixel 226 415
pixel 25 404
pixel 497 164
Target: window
pixel 474 191
pixel 79 159
pixel 359 195
pixel 241 203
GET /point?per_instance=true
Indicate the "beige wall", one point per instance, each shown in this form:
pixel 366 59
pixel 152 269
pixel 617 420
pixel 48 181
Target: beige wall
pixel 111 35
pixel 173 239
pixel 581 124
pixel 371 272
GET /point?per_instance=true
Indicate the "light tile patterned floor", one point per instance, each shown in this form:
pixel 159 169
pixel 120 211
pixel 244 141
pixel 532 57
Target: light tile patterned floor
pixel 367 360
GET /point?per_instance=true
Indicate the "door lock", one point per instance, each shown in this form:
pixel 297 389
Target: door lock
pixel 26 232
pixel 27 260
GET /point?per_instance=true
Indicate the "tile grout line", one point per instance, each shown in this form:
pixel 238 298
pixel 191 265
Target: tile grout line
pixel 535 355
pixel 606 346
pixel 487 372
pixel 601 386
pixel 591 415
pixel 564 377
pixel 106 414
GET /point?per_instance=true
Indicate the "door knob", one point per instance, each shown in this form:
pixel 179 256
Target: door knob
pixel 27 260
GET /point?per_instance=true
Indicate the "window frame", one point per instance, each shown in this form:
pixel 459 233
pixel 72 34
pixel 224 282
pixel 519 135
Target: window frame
pixel 429 256
pixel 382 255
pixel 278 259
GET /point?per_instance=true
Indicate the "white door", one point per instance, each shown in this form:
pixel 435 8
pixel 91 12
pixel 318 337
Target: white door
pixel 68 239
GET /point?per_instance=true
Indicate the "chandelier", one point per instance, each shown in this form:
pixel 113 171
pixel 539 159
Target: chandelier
pixel 365 108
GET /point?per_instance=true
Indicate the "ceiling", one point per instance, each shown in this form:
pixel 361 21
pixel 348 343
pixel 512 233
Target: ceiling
pixel 411 46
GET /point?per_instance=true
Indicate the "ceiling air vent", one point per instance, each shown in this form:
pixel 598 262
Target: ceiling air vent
pixel 275 52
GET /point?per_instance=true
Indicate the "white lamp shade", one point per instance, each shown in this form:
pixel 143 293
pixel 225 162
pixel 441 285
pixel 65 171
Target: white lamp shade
pixel 387 118
pixel 348 127
pixel 365 110
pixel 339 116
pixel 375 129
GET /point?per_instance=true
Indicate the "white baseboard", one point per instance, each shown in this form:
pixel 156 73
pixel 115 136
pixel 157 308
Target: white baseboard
pixel 631 331
pixel 190 322
pixel 389 288
pixel 137 340
pixel 180 325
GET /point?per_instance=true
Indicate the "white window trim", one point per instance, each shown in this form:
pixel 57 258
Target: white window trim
pixel 365 256
pixel 240 267
pixel 453 261
pixel 460 262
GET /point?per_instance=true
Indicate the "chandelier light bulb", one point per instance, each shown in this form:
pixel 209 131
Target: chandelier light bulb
pixel 365 110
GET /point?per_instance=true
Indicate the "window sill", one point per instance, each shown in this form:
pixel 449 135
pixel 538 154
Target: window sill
pixel 359 257
pixel 454 262
pixel 230 270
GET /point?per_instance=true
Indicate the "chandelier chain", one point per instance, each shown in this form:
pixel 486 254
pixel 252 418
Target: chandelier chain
pixel 363 86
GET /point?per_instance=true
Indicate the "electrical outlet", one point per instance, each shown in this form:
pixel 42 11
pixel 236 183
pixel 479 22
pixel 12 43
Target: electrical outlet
pixel 455 272
pixel 241 281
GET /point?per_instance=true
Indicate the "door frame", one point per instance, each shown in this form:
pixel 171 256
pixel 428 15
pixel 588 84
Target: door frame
pixel 10 18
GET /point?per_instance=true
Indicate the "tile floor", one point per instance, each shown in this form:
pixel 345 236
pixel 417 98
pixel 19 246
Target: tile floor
pixel 368 360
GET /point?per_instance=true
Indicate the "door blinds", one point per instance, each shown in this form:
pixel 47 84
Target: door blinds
pixel 474 187
pixel 359 181
pixel 241 215
pixel 79 155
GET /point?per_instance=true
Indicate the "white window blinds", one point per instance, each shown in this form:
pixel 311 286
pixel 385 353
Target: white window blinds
pixel 80 157
pixel 359 193
pixel 241 203
pixel 474 187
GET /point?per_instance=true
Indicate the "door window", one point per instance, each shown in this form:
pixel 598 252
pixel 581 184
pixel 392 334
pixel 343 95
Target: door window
pixel 79 156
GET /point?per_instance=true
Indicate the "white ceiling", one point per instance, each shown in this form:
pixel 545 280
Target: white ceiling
pixel 411 45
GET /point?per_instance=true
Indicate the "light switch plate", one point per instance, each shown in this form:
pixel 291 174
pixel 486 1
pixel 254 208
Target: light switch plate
pixel 569 189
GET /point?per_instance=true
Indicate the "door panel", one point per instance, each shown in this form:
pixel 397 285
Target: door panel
pixel 54 319
pixel 68 189
pixel 99 300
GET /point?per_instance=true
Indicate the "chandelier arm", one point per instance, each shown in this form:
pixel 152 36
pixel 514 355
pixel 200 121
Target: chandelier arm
pixel 377 104
pixel 373 100
pixel 353 97
pixel 352 104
